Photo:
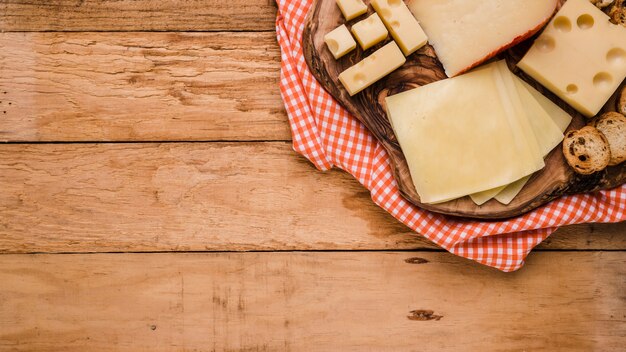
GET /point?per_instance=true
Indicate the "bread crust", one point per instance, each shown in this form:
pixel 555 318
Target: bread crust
pixel 621 102
pixel 613 126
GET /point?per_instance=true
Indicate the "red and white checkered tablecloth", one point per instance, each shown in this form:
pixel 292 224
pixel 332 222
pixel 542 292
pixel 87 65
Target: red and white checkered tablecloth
pixel 328 136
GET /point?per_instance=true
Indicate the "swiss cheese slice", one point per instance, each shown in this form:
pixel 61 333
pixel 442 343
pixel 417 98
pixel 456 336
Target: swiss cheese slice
pixel 463 135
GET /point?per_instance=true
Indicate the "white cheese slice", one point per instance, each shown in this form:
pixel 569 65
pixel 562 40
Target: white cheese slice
pixel 507 194
pixel 460 137
pixel 560 118
pixel 519 117
pixel 465 33
pixel 543 131
pixel 481 198
pixel 580 56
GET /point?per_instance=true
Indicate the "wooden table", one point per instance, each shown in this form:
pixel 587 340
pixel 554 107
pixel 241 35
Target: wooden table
pixel 150 200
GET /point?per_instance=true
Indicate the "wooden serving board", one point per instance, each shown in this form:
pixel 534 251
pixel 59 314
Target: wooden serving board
pixel 423 67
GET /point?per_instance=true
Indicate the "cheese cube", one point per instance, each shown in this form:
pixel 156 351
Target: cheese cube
pixel 403 26
pixel 351 8
pixel 369 31
pixel 339 41
pixel 580 56
pixel 374 67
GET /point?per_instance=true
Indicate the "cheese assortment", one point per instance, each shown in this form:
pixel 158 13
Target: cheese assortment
pixel 483 132
pixel 369 31
pixel 570 59
pixel 403 26
pixel 481 140
pixel 351 8
pixel 372 68
pixel 339 41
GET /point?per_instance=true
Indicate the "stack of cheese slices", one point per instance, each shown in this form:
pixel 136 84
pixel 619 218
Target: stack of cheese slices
pixel 479 134
pixel 483 132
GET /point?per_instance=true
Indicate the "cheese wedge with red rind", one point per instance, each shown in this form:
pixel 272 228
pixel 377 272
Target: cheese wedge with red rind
pixel 465 33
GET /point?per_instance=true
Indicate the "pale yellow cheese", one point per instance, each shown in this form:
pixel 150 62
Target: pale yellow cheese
pixel 558 116
pixel 404 28
pixel 511 191
pixel 519 118
pixel 580 56
pixel 543 128
pixel 481 198
pixel 339 41
pixel 466 32
pixel 539 129
pixel 351 8
pixel 462 135
pixel 374 67
pixel 369 31
pixel 545 131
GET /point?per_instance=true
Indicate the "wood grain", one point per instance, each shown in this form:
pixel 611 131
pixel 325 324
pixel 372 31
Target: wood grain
pixel 201 196
pixel 423 67
pixel 310 302
pixel 140 87
pixel 137 15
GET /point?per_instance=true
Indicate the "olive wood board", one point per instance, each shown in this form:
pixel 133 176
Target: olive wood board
pixel 422 67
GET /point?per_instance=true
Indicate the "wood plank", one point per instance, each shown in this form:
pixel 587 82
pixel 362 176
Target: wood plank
pixel 140 87
pixel 198 197
pixel 137 15
pixel 352 301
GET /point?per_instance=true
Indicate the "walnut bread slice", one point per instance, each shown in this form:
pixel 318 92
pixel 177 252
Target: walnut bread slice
pixel 586 150
pixel 613 127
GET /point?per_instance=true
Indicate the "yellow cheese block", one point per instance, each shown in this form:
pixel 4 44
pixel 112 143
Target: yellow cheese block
pixel 369 31
pixel 580 56
pixel 404 28
pixel 351 8
pixel 374 67
pixel 339 41
pixel 463 135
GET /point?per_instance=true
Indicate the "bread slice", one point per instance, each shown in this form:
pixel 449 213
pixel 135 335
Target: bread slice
pixel 613 127
pixel 621 102
pixel 586 150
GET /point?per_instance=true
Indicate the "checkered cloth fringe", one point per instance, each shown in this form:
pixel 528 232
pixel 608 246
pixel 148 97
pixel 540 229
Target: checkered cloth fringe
pixel 328 136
